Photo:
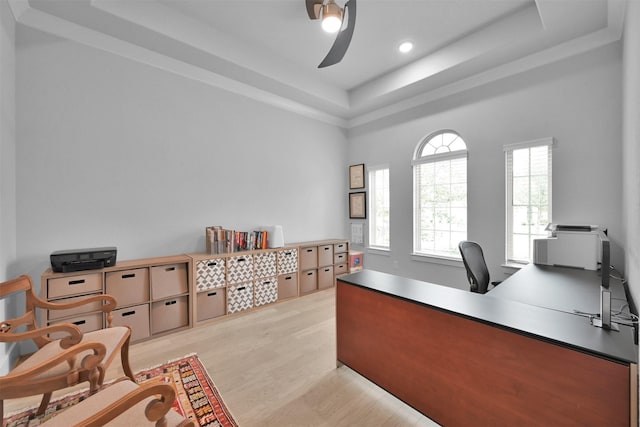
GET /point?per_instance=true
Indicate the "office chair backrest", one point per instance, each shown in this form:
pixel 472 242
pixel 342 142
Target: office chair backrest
pixel 477 271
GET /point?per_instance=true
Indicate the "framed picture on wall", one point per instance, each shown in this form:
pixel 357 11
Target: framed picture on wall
pixel 358 205
pixel 356 176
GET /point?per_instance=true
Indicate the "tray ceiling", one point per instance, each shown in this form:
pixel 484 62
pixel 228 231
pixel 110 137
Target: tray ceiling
pixel 269 49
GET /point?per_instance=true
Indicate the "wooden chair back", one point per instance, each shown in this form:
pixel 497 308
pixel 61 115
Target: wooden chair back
pixel 28 319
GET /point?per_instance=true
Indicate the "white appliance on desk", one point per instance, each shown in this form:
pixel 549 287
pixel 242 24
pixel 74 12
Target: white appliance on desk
pixel 569 246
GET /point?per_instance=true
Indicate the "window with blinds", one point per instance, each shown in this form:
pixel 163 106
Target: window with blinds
pixel 528 166
pixel 440 195
pixel 379 207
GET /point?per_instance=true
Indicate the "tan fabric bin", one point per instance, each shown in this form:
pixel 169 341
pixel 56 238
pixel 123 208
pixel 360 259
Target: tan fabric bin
pixel 308 258
pixel 325 255
pixel 325 277
pixel 341 269
pixel 87 308
pixel 169 314
pixel 340 258
pixel 74 285
pixel 308 281
pixel 287 286
pixel 136 317
pixel 211 304
pixel 128 286
pixel 86 323
pixel 168 280
pixel 340 247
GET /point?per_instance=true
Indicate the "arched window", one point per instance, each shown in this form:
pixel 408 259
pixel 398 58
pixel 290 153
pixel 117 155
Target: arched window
pixel 440 194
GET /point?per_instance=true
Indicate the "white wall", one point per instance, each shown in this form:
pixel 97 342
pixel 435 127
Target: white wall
pixel 576 101
pixel 7 165
pixel 631 146
pixel 7 141
pixel 114 152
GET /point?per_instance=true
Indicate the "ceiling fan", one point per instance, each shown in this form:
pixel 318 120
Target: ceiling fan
pixel 332 21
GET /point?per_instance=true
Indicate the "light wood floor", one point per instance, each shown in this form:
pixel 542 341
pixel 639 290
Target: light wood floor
pixel 276 366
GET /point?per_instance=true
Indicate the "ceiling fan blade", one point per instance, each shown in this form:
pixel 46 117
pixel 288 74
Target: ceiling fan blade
pixel 340 46
pixel 312 10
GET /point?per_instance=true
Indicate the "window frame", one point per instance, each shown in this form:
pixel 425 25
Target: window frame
pixel 419 159
pixel 372 206
pixel 549 142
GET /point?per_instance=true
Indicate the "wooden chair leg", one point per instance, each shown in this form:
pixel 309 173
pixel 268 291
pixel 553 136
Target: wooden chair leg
pixel 1 409
pixel 46 398
pixel 124 358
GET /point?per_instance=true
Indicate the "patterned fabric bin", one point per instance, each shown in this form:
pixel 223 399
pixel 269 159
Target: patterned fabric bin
pixel 287 261
pixel 239 297
pixel 239 269
pixel 265 291
pixel 264 264
pixel 210 274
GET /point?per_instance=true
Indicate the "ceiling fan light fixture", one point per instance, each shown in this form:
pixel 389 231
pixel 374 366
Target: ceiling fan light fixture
pixel 342 22
pixel 331 17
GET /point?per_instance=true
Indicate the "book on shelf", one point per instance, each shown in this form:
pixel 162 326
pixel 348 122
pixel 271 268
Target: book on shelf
pixel 222 241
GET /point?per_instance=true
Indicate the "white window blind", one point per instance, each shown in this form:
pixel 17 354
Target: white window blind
pixel 440 195
pixel 379 207
pixel 528 196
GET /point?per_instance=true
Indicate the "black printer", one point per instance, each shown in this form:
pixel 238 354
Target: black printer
pixel 83 259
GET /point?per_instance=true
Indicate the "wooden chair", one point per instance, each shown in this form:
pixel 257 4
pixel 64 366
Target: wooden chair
pixel 125 403
pixel 59 363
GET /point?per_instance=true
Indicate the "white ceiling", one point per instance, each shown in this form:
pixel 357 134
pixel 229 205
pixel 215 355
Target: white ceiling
pixel 282 29
pixel 269 49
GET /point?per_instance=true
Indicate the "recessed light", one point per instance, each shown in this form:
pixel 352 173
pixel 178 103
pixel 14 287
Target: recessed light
pixel 405 47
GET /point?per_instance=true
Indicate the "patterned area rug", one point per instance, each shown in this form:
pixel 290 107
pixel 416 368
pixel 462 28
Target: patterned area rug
pixel 197 397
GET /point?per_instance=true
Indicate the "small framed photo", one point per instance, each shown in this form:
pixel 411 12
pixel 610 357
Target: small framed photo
pixel 358 205
pixel 356 176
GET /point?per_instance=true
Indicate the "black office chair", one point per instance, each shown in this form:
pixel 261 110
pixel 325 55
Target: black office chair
pixel 477 271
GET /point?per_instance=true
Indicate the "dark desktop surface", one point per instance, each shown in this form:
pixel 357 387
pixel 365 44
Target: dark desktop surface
pixel 559 288
pixel 531 317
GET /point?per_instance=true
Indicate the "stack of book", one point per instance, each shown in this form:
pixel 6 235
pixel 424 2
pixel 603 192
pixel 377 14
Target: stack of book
pixel 222 241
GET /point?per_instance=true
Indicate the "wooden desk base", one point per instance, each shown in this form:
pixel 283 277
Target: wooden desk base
pixel 461 372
